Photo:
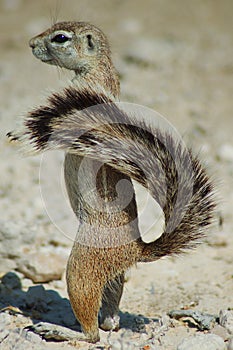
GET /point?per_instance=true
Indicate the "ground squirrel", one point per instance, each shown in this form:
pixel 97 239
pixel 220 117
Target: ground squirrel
pixel 115 149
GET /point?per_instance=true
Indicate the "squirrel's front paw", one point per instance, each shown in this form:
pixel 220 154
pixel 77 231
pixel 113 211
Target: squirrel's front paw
pixel 110 323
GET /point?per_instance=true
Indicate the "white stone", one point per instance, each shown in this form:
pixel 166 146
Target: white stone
pixel 42 267
pixel 202 342
pixel 226 320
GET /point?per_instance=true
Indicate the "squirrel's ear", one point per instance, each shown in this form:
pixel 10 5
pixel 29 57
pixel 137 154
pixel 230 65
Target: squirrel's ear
pixel 90 42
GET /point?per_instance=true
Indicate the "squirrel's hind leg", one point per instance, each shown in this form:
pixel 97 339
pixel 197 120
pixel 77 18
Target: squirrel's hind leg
pixel 85 294
pixel 109 318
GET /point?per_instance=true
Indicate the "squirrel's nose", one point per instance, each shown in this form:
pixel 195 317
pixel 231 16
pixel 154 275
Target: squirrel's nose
pixel 33 43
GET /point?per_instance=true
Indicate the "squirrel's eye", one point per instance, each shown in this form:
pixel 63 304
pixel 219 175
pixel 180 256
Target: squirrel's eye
pixel 59 38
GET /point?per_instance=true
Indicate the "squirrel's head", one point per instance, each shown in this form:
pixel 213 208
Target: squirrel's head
pixel 77 46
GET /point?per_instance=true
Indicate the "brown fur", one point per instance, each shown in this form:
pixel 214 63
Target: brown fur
pixel 113 147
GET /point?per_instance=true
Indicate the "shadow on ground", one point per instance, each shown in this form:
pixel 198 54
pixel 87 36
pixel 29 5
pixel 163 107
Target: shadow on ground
pixel 45 305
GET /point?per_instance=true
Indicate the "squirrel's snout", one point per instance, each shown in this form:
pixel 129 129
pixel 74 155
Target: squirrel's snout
pixel 32 43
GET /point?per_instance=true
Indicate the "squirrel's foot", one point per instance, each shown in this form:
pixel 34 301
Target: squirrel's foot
pixel 51 331
pixel 110 323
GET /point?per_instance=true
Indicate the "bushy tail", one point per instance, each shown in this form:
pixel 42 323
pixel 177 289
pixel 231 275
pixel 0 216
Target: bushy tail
pixel 154 158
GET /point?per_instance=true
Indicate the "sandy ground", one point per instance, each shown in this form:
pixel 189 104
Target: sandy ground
pixel 174 57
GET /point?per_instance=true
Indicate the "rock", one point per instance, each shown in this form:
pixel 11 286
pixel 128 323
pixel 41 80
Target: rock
pixel 7 265
pixel 20 339
pixel 4 334
pixel 220 331
pixel 5 320
pixel 42 266
pixel 32 337
pixel 10 337
pixel 226 320
pixel 203 320
pixel 203 342
pixel 13 239
pixel 51 331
